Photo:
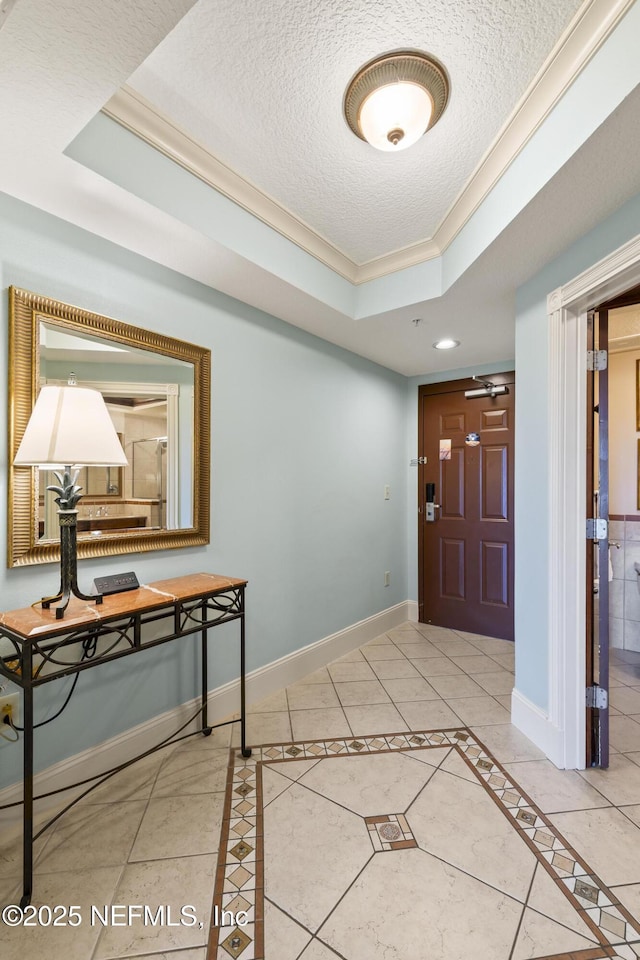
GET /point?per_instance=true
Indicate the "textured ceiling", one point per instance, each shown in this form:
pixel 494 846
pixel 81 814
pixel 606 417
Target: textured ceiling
pixel 98 44
pixel 261 86
pixel 59 61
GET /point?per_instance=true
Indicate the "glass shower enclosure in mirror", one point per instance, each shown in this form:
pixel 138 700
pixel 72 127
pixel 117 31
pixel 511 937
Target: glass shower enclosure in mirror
pixel 157 393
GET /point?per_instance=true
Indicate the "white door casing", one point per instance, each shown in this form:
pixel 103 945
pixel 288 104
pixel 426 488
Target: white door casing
pixel 567 308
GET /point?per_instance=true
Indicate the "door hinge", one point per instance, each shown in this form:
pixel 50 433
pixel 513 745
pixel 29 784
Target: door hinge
pixel 418 461
pixel 597 529
pixel 596 359
pixel 597 697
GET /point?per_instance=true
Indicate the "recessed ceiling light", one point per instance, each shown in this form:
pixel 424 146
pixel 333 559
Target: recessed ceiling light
pixel 446 344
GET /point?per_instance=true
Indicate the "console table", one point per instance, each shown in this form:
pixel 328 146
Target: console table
pixel 38 649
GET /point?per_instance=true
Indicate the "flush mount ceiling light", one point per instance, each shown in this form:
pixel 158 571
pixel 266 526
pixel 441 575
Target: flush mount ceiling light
pixel 394 99
pixel 446 344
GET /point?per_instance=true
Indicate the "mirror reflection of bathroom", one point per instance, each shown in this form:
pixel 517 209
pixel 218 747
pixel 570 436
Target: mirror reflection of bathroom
pixel 624 523
pixel 117 499
pixel 142 423
pixel 150 400
pixel 149 475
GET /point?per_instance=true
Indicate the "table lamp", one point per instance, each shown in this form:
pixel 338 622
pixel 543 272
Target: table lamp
pixel 69 428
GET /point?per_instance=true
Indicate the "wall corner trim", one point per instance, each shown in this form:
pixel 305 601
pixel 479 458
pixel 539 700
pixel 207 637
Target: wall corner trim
pixel 538 727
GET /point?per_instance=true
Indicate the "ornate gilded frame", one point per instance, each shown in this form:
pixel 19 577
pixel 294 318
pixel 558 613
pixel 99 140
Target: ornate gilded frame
pixel 22 543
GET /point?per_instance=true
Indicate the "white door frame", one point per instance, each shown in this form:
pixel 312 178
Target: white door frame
pixel 567 308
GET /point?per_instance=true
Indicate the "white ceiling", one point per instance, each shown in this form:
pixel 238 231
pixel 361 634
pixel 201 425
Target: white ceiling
pixel 226 77
pixel 261 87
pixel 479 309
pixel 624 328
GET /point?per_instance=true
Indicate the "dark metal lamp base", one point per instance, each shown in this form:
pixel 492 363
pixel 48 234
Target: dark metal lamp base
pixel 68 566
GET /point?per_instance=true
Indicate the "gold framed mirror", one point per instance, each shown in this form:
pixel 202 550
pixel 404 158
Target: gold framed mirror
pixel 157 390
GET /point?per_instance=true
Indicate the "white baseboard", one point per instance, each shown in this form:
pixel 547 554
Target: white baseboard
pixel 224 702
pixel 294 666
pixel 413 610
pixel 536 725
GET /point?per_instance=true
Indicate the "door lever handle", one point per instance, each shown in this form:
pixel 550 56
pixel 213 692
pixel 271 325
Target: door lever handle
pixel 430 511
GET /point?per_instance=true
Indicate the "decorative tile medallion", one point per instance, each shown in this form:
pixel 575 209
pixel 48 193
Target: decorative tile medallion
pixel 239 885
pixel 390 832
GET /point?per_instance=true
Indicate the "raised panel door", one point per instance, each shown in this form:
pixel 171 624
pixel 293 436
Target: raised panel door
pixel 466 553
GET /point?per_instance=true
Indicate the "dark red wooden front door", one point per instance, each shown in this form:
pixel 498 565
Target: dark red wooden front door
pixel 466 553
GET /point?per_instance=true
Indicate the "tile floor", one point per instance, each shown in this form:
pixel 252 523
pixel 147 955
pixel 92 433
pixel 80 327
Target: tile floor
pixel 151 835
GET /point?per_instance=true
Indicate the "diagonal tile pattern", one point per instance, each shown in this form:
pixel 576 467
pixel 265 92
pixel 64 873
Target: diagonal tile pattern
pixel 520 857
pixel 152 833
pixel 472 847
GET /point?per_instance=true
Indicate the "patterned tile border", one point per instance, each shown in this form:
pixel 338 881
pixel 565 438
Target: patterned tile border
pixel 239 881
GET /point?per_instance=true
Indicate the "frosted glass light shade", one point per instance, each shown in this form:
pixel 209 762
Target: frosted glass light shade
pixel 395 98
pixel 395 116
pixel 70 426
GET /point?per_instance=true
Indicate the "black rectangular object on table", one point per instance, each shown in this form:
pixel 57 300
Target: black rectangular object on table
pixel 116 583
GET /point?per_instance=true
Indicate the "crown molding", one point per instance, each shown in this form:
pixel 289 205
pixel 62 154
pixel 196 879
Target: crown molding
pixel 397 260
pixel 577 45
pixel 609 277
pixel 580 41
pixel 136 114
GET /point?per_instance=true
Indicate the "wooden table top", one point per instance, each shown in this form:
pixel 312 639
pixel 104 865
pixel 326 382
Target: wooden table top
pixel 32 622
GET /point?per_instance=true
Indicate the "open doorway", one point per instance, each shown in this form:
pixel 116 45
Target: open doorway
pixel 559 727
pixel 613 558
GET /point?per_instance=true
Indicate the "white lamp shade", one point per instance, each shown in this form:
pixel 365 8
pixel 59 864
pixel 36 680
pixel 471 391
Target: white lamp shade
pixel 402 106
pixel 70 426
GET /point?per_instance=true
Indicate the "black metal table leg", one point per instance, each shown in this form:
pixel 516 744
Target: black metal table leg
pixel 27 813
pixel 206 729
pixel 246 751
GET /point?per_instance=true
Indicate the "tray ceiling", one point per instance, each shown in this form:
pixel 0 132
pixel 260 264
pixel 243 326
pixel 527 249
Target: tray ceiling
pixel 261 88
pixel 539 145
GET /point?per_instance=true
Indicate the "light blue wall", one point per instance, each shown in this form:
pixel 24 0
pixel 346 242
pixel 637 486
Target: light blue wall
pixel 460 373
pixel 532 470
pixel 119 155
pixel 304 438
